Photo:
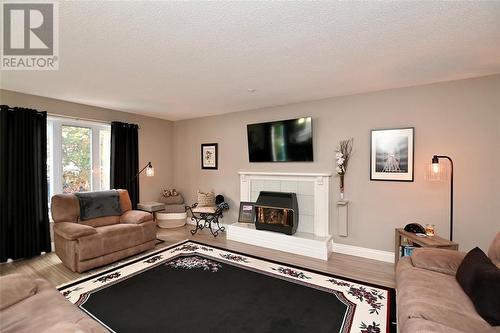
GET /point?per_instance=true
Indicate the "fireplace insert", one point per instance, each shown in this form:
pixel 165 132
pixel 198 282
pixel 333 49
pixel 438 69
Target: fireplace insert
pixel 277 211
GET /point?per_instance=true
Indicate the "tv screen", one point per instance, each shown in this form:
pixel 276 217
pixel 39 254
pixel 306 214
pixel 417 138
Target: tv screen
pixel 281 141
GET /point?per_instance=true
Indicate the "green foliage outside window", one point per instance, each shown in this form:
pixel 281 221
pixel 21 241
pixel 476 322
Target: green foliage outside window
pixel 76 159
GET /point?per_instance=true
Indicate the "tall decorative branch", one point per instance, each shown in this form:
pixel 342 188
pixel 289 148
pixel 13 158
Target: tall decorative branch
pixel 342 156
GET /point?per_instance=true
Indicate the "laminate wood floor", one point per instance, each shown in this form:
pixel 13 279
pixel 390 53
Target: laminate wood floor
pixel 49 266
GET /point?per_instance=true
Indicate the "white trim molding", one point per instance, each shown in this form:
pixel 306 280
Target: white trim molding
pixel 286 174
pixel 363 252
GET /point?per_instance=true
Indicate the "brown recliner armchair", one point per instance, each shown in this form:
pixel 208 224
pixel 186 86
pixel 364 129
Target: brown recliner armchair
pixel 83 245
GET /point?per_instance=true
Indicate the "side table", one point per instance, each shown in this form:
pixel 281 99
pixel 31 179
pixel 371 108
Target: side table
pixel 151 207
pixel 427 241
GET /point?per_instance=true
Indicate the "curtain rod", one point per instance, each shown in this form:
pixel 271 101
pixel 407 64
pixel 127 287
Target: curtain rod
pixel 80 118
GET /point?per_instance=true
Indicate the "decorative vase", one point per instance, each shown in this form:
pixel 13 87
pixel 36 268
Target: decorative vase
pixel 341 187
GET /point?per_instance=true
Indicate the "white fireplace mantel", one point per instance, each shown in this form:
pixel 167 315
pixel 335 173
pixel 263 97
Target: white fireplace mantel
pixel 312 238
pixel 284 174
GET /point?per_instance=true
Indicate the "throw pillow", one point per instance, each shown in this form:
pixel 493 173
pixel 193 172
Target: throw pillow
pixel 206 199
pixel 480 279
pixel 170 193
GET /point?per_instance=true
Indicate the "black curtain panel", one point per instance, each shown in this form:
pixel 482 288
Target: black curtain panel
pixel 125 159
pixel 24 217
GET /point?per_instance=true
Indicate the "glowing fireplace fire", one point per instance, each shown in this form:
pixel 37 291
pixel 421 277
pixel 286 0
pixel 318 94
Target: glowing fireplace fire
pixel 277 211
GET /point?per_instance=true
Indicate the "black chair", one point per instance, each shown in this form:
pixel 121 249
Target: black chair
pixel 205 216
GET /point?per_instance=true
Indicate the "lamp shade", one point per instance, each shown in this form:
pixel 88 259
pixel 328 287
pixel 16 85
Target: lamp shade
pixel 150 171
pixel 436 171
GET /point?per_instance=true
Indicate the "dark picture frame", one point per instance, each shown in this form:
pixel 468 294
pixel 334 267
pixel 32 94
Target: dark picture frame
pixel 392 153
pixel 247 215
pixel 209 156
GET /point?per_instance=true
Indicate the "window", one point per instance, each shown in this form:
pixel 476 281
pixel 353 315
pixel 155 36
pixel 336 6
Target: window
pixel 78 156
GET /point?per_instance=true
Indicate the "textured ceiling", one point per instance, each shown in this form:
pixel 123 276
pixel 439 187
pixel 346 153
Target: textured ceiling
pixel 179 60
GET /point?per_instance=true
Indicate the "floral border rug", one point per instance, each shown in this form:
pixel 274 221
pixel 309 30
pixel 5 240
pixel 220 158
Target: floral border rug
pixel 178 273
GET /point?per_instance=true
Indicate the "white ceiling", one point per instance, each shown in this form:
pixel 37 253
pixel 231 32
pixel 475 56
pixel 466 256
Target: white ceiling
pixel 179 60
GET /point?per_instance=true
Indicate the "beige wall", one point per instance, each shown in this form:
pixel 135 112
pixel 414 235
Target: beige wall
pixel 459 118
pixel 155 135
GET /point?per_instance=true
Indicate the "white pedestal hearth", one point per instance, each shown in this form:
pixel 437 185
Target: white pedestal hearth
pixel 312 237
pixel 301 243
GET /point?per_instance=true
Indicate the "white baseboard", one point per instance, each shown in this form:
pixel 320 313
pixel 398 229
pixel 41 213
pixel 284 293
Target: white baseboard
pixel 363 252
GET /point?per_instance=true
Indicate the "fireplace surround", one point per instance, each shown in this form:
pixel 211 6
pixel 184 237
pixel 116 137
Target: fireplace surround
pixel 312 237
pixel 277 211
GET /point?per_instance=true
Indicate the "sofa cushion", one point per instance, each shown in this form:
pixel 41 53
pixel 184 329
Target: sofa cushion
pixel 101 221
pixel 435 297
pixel 136 217
pixel 65 208
pixel 438 260
pixel 207 210
pixel 480 279
pixel 14 288
pixel 109 239
pixel 72 230
pixel 125 202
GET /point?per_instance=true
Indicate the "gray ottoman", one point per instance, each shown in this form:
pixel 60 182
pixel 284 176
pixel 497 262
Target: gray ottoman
pixel 174 213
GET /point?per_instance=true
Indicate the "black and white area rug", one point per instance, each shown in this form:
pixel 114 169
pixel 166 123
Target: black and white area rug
pixel 193 287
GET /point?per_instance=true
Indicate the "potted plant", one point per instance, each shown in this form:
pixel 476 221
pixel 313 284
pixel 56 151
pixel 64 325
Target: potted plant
pixel 342 155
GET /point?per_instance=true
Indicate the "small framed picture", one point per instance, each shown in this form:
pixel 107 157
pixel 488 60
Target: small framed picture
pixel 209 156
pixel 392 154
pixel 247 212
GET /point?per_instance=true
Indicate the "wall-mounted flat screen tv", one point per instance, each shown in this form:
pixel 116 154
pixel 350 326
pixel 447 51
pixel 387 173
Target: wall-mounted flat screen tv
pixel 281 141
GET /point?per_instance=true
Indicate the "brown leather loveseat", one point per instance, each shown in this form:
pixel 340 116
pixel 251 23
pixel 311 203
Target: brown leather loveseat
pixel 83 245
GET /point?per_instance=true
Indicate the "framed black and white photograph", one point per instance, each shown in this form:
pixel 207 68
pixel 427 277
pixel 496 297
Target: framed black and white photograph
pixel 392 154
pixel 247 212
pixel 209 156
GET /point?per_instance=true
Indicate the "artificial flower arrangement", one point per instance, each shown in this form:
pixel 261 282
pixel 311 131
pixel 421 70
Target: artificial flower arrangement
pixel 342 155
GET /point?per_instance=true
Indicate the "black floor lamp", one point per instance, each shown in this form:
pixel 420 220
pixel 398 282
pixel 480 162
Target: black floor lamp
pixel 435 170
